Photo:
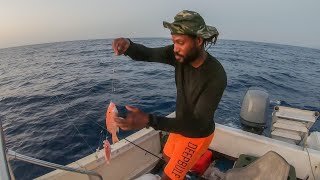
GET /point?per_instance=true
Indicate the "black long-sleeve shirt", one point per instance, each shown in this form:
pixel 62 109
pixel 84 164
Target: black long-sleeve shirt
pixel 199 91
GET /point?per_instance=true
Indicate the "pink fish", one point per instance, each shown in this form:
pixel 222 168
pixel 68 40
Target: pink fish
pixel 107 150
pixel 112 127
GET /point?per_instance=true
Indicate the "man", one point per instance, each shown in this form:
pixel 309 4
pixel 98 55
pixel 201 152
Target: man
pixel 200 81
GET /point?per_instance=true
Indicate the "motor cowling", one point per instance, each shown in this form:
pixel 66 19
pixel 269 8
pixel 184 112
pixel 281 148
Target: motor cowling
pixel 254 109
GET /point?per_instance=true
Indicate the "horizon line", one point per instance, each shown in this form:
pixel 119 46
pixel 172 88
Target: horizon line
pixel 19 46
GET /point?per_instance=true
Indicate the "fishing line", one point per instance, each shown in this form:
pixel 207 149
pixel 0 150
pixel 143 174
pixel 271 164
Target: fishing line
pixel 112 92
pixel 103 128
pixel 113 89
pixel 80 166
pixel 100 140
pixel 74 124
pixel 145 150
pixel 310 163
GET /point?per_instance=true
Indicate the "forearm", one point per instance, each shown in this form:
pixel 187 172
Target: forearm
pixel 140 52
pixel 162 123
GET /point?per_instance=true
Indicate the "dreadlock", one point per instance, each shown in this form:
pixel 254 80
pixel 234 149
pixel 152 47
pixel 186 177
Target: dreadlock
pixel 209 41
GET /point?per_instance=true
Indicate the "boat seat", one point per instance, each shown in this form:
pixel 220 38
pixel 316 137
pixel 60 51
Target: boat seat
pixel 289 135
pixel 244 160
pixel 291 124
pixel 295 114
pixel 270 166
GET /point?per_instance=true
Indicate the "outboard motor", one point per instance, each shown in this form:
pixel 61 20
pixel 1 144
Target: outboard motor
pixel 253 115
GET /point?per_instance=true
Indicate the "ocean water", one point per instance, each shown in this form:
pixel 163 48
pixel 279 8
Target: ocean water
pixel 53 97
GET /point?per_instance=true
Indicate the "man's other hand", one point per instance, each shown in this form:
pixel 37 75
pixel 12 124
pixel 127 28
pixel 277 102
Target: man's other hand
pixel 136 119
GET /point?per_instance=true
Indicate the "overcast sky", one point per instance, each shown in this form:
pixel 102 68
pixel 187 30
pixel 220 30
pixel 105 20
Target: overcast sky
pixel 294 22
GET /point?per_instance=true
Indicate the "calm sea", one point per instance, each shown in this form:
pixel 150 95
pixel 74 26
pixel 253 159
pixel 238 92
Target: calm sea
pixel 53 97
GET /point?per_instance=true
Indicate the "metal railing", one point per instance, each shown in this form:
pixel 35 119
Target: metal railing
pixel 4 165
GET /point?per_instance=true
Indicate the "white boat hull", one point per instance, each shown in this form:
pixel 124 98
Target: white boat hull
pixel 128 161
pixel 233 142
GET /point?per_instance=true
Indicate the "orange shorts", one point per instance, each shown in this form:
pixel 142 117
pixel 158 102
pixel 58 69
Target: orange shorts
pixel 184 153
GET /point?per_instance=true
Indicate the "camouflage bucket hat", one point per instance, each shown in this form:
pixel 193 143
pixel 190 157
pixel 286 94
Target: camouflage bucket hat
pixel 191 23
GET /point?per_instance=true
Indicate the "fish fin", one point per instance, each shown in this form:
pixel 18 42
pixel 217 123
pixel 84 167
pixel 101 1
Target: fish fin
pixel 115 139
pixel 118 129
pixel 115 110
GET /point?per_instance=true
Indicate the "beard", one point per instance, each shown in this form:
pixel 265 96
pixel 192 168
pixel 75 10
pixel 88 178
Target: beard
pixel 190 57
